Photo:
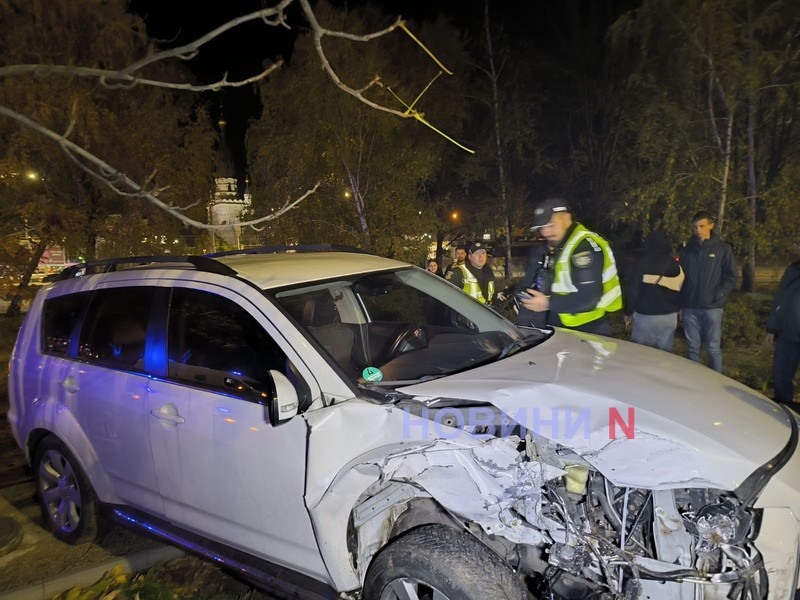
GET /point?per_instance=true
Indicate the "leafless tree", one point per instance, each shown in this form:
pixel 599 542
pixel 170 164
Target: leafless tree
pixel 131 75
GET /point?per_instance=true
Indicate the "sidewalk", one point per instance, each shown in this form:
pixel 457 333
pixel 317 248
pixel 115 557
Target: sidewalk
pixel 36 566
pixel 139 561
pixel 10 535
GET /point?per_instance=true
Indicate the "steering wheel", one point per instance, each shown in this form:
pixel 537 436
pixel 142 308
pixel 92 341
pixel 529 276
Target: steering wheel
pixel 413 337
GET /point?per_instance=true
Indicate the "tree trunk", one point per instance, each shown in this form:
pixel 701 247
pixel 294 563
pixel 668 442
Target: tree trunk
pixel 498 140
pixel 15 307
pixel 726 174
pixel 749 284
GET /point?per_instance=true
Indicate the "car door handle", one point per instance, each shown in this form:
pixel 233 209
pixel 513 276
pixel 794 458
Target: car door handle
pixel 69 385
pixel 165 414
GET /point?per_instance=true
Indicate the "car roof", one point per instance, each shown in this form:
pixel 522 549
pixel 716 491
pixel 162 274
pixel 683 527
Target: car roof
pixel 278 270
pixel 265 267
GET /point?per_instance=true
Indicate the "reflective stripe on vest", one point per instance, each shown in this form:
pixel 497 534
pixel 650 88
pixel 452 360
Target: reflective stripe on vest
pixel 611 299
pixel 470 284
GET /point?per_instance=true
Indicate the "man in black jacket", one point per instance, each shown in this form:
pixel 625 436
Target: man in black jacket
pixel 653 293
pixel 783 331
pixel 711 275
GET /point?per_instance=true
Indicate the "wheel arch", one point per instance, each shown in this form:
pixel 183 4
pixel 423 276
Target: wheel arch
pixel 425 511
pixel 422 511
pixel 366 539
pixel 377 497
pixel 452 561
pixel 63 426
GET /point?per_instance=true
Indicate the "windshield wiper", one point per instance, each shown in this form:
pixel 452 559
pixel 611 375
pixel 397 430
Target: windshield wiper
pixel 515 346
pixel 390 382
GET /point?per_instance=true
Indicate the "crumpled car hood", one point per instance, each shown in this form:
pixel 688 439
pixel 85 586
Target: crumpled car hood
pixel 641 416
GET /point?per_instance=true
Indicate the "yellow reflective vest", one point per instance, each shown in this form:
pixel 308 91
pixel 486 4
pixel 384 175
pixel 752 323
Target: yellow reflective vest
pixel 611 299
pixel 469 283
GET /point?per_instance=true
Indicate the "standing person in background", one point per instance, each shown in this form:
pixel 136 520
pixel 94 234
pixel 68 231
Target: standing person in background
pixel 652 293
pixel 783 332
pixel 433 267
pixel 579 281
pixel 461 256
pixel 711 275
pixel 538 276
pixel 475 276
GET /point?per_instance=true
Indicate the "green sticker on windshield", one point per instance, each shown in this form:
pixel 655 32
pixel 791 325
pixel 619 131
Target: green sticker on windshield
pixel 372 374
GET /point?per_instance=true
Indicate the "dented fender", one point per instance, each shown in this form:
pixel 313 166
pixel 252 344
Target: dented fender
pixel 477 480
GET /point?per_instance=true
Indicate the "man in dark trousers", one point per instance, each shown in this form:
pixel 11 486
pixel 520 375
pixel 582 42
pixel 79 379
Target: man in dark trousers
pixel 571 281
pixel 475 277
pixel 711 275
pixel 783 332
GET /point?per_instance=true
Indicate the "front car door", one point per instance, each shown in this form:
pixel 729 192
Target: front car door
pixel 223 470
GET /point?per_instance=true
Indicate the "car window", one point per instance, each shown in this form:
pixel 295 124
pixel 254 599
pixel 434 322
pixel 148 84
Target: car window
pixel 404 324
pixel 214 342
pixel 396 303
pixel 60 316
pixel 115 329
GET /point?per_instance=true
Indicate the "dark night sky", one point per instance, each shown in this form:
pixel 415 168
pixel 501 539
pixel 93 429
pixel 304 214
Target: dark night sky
pixel 243 51
pixel 240 52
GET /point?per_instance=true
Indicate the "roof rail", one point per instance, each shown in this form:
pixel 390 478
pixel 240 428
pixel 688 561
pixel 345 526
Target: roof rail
pixel 299 248
pixel 201 263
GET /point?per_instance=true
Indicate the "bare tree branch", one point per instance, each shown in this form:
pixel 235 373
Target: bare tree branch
pixel 271 16
pixel 124 79
pixel 129 77
pixel 125 186
pixel 320 32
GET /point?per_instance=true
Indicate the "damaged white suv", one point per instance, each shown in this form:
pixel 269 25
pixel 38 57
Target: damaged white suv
pixel 333 424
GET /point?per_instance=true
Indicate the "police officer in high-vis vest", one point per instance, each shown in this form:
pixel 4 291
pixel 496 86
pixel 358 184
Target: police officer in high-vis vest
pixel 474 276
pixel 572 279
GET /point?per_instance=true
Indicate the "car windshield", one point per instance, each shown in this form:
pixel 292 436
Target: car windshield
pixel 400 326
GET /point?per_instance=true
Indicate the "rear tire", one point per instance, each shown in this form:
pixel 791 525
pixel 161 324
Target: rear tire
pixel 70 508
pixel 434 562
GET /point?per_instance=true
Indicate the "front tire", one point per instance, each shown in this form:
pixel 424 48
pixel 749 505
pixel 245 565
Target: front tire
pixel 434 562
pixel 70 508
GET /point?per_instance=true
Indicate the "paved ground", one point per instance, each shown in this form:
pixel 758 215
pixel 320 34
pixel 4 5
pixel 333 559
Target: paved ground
pixel 39 556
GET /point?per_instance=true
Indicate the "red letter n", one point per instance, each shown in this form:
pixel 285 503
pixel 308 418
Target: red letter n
pixel 614 419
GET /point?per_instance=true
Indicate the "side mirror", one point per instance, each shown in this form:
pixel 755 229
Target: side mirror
pixel 283 401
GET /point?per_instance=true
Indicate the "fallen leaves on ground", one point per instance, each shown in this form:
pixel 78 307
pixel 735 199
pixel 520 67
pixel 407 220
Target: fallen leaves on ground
pixel 183 578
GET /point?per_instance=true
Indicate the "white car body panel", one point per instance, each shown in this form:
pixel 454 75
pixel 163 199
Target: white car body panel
pixel 688 411
pixel 277 270
pixel 206 452
pixel 779 543
pixel 111 409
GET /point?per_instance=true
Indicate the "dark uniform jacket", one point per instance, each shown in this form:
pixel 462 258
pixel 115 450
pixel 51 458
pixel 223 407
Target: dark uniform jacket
pixel 784 318
pixel 483 275
pixel 587 275
pixel 711 274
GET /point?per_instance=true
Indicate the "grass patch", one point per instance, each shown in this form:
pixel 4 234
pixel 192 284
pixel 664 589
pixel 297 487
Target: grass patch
pixel 183 578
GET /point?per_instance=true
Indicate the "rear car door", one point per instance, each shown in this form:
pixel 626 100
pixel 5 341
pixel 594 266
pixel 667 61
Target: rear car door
pixel 106 388
pixel 223 469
